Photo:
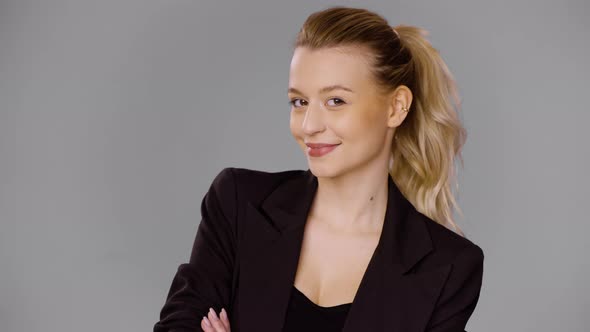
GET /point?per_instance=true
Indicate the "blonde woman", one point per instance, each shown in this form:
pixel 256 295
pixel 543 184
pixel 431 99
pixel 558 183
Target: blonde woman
pixel 364 239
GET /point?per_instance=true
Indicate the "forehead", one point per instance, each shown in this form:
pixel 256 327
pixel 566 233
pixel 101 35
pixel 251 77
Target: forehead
pixel 311 69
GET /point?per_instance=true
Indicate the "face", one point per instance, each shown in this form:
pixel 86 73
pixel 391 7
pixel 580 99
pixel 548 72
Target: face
pixel 334 100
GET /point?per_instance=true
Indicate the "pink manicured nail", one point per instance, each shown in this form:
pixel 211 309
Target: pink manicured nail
pixel 213 313
pixel 223 313
pixel 207 321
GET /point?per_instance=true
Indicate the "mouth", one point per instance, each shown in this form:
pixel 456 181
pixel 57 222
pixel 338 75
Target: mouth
pixel 320 145
pixel 320 149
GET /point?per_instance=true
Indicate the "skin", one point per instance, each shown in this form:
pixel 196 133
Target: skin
pixel 363 121
pixel 214 323
pixel 347 213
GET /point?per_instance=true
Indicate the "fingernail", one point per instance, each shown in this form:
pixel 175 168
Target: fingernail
pixel 223 313
pixel 207 321
pixel 214 315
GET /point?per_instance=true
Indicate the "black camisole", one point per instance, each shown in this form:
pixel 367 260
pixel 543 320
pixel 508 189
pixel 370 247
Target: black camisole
pixel 304 315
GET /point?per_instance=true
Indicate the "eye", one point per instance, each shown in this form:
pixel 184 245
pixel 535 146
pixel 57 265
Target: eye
pixel 338 104
pixel 294 100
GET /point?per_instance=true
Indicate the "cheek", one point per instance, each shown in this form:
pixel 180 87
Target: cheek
pixel 363 135
pixel 354 128
pixel 296 130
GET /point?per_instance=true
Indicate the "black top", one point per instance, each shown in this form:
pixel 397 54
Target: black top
pixel 304 315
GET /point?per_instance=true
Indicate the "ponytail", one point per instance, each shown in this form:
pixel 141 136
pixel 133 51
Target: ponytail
pixel 432 135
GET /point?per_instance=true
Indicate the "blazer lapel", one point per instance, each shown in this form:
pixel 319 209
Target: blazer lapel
pixel 273 234
pixel 389 297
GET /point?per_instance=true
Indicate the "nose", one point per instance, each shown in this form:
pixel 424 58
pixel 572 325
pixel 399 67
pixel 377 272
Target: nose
pixel 313 120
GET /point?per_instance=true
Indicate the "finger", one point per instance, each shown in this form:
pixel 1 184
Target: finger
pixel 215 321
pixel 225 319
pixel 206 325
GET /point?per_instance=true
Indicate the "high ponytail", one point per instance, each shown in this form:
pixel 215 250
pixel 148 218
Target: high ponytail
pixel 430 139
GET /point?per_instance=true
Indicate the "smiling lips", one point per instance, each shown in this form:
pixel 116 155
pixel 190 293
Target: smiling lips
pixel 319 149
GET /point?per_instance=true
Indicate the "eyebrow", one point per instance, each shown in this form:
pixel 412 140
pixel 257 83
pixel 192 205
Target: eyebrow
pixel 324 89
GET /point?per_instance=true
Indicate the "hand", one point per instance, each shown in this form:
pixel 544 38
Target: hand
pixel 212 323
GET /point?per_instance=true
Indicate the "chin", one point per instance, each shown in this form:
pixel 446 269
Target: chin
pixel 324 170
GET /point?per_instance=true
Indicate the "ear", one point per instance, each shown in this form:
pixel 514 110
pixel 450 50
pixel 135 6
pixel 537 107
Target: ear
pixel 400 98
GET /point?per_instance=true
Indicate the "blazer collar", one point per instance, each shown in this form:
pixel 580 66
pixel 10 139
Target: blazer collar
pixel 289 204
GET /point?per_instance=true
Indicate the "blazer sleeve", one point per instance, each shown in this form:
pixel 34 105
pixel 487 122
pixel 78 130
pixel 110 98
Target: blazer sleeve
pixel 205 281
pixel 460 293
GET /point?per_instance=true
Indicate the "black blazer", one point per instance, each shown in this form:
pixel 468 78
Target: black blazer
pixel 421 276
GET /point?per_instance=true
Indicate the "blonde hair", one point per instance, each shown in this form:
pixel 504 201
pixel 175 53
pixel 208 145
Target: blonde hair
pixel 430 139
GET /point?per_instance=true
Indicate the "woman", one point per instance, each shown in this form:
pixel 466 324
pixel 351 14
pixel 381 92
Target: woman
pixel 364 240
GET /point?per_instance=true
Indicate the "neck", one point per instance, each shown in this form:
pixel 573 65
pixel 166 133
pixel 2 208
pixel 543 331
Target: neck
pixel 354 201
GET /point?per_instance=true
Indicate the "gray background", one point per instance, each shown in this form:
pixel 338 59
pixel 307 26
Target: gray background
pixel 116 115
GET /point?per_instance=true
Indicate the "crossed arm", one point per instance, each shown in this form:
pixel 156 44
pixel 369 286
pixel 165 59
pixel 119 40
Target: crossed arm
pixel 205 281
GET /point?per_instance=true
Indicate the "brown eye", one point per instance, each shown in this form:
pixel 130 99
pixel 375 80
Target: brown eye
pixel 338 103
pixel 293 101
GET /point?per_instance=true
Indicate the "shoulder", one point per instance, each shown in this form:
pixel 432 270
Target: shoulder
pixel 248 177
pixel 450 247
pixel 252 183
pixel 232 187
pixel 460 292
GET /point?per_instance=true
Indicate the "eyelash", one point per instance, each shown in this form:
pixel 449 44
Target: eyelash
pixel 292 101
